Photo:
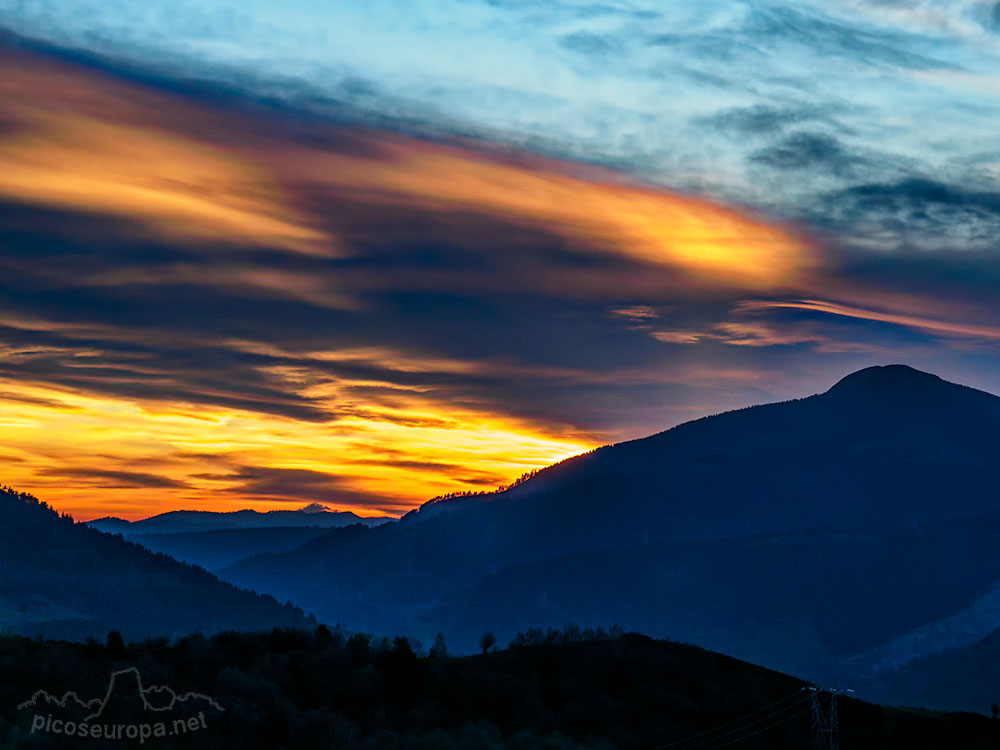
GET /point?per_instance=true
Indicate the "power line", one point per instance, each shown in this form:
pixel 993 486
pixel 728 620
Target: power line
pixel 745 726
pixel 826 724
pixel 762 729
pixel 742 721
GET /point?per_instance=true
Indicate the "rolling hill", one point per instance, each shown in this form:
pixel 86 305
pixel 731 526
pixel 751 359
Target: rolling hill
pixel 798 534
pixel 555 690
pixel 61 579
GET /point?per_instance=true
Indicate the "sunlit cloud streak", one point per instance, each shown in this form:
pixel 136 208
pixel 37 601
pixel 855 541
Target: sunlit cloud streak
pixel 210 302
pixel 943 327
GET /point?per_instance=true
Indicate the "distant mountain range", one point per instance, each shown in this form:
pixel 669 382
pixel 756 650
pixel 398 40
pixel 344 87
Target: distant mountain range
pixel 952 679
pixel 213 540
pixel 802 535
pixel 223 547
pixel 61 579
pixel 186 521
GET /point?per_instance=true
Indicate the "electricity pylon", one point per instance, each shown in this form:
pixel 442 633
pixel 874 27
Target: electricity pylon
pixel 825 723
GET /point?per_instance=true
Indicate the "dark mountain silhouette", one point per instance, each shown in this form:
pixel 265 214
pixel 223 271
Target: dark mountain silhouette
pixel 63 579
pixel 187 521
pixel 799 534
pixel 556 689
pixel 110 525
pixel 215 549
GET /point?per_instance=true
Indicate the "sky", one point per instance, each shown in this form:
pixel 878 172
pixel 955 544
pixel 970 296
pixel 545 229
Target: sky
pixel 265 254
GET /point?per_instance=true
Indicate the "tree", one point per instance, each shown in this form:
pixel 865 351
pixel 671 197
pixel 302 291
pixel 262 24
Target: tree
pixel 359 649
pixel 323 637
pixel 440 649
pixel 995 708
pixel 116 644
pixel 487 642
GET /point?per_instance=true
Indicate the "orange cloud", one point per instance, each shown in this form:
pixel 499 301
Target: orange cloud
pixel 89 142
pixel 190 172
pixel 592 207
pixel 944 327
pixel 84 141
pixel 678 337
pixel 180 189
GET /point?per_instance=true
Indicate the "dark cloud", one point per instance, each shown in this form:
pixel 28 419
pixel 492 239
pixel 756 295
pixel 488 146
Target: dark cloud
pixel 400 463
pixel 770 30
pixel 817 152
pixel 954 279
pixel 296 485
pixel 198 375
pixel 828 38
pixel 466 288
pixel 920 212
pixel 112 479
pixel 763 119
pixel 6 396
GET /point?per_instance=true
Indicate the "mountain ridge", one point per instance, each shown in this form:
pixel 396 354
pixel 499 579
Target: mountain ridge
pixel 185 521
pixel 61 579
pixel 890 492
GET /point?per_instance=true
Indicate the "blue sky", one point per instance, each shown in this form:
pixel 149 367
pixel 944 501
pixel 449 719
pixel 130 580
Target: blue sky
pixel 773 104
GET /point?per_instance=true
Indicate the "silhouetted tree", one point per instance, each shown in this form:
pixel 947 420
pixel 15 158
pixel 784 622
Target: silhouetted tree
pixel 995 708
pixel 487 642
pixel 402 647
pixel 323 637
pixel 572 688
pixel 359 648
pixel 116 644
pixel 440 649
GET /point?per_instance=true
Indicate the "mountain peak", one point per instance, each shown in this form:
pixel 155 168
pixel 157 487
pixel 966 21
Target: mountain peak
pixel 886 379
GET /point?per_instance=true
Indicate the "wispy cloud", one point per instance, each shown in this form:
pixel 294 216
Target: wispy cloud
pixel 942 327
pixel 213 301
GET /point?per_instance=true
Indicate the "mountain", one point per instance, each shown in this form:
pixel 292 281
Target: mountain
pixel 957 678
pixel 62 579
pixel 558 690
pixel 798 534
pixel 219 548
pixel 186 521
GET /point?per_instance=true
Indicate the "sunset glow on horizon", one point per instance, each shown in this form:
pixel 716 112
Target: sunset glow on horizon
pixel 91 456
pixel 213 303
pixel 85 142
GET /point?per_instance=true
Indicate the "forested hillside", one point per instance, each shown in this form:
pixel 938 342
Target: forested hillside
pixel 62 579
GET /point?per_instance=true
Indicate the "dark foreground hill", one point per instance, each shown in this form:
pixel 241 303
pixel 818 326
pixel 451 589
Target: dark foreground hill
pixel 560 690
pixel 63 579
pixel 803 535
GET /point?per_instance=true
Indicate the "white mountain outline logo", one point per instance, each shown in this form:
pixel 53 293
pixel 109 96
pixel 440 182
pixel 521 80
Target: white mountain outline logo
pixel 100 703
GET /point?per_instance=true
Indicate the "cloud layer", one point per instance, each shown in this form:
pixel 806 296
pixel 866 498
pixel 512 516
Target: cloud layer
pixel 212 299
